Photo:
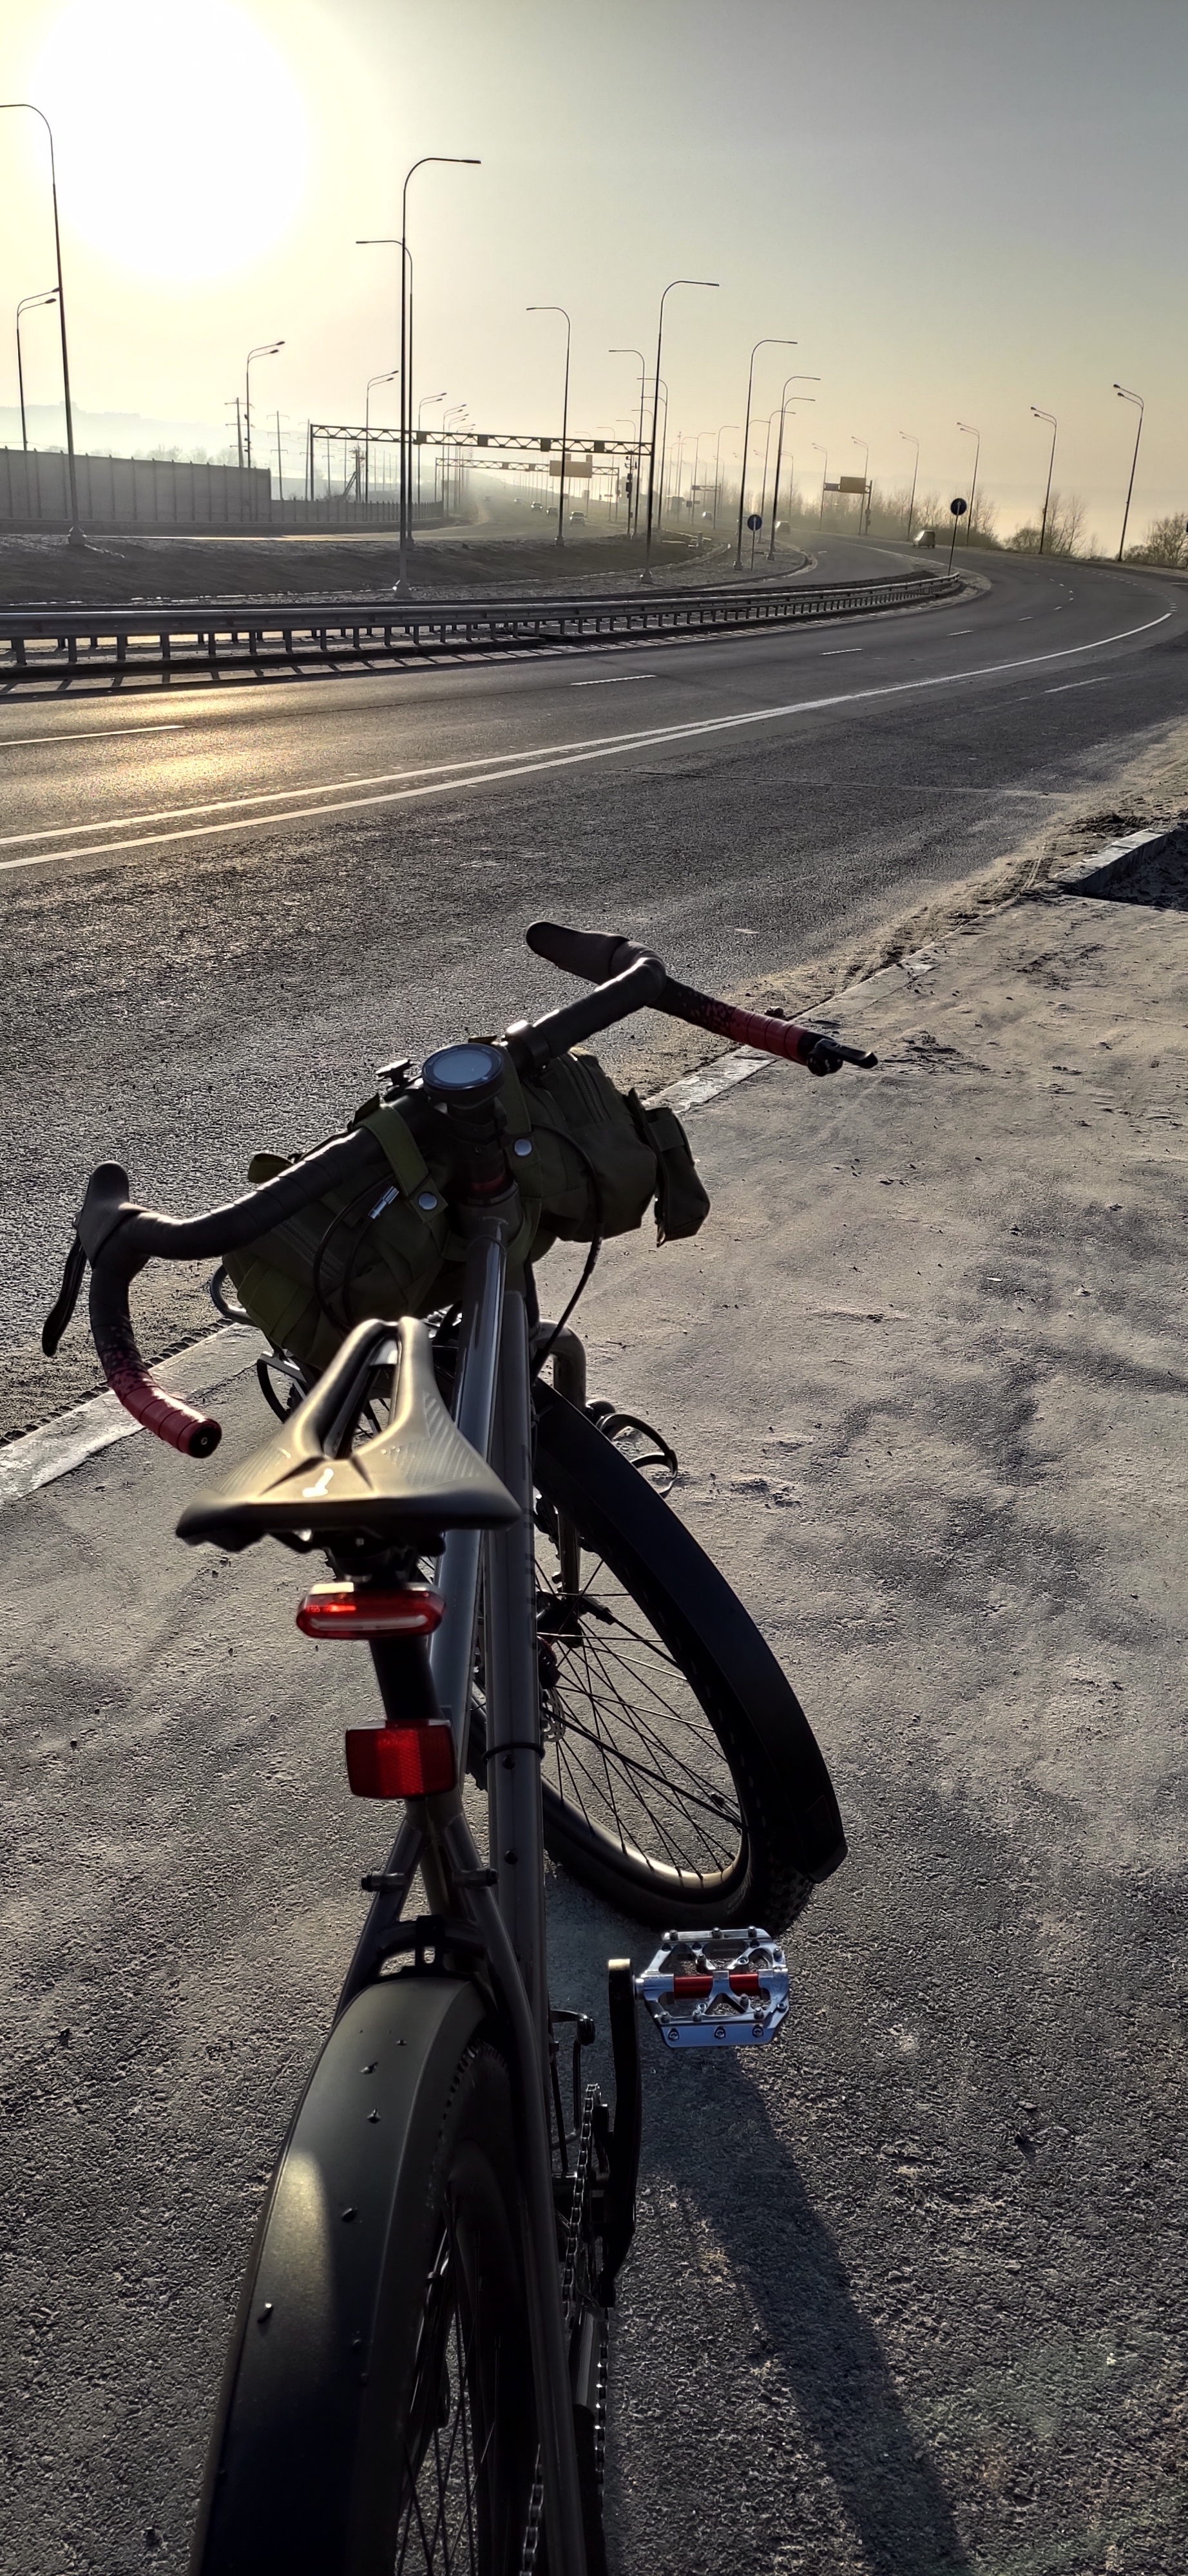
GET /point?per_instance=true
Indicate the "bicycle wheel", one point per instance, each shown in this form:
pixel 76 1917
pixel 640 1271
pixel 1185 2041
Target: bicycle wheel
pixel 681 1777
pixel 378 2415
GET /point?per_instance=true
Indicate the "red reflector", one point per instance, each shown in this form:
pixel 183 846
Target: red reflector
pixel 344 1610
pixel 400 1761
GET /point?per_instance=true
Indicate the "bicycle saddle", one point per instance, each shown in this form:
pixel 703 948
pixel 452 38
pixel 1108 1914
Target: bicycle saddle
pixel 409 1483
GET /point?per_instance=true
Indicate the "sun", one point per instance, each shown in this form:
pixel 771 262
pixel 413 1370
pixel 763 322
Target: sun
pixel 181 134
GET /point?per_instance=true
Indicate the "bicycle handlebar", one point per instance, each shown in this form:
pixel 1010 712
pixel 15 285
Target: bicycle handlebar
pixel 592 953
pixel 118 1238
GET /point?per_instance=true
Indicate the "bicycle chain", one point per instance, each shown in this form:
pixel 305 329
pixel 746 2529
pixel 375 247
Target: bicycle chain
pixel 573 2307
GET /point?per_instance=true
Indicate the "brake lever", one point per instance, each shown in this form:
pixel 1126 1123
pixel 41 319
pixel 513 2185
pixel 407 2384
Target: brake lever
pixel 66 1300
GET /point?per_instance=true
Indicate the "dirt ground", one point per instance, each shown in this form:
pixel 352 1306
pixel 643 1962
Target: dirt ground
pixel 124 571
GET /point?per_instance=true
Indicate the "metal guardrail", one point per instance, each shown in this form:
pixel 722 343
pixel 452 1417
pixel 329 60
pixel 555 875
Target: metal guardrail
pixel 53 643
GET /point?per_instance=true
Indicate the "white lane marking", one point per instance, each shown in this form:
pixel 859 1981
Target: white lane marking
pixel 498 766
pixel 1075 684
pixel 44 1455
pixel 104 733
pixel 493 761
pixel 833 651
pixel 40 1457
pixel 621 680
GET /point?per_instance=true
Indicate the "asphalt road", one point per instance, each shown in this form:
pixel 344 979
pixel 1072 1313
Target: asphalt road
pixel 227 905
pixel 861 2316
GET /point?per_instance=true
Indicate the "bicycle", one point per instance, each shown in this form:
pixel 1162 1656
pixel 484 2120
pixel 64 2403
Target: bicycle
pixel 417 2374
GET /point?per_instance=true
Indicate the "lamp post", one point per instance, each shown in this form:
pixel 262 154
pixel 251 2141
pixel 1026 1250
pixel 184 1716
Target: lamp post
pixel 399 241
pixel 970 432
pixel 663 454
pixel 822 452
pixel 776 343
pixel 633 520
pixel 25 306
pixel 695 487
pixel 864 444
pixel 456 412
pixel 387 379
pixel 560 308
pixel 267 349
pixel 646 574
pixel 1124 396
pixel 1037 414
pixel 458 161
pixel 784 408
pixel 912 442
pixel 76 536
pixel 727 424
pixel 432 400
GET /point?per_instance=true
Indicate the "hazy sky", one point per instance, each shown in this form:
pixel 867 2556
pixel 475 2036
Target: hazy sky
pixel 955 210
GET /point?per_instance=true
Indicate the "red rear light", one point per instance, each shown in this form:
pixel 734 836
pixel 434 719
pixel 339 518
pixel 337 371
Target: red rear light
pixel 344 1610
pixel 400 1761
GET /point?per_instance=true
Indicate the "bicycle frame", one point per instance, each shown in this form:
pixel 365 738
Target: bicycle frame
pixel 497 1906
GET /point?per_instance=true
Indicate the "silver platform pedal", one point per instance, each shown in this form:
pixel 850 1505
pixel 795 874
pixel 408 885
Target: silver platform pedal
pixel 706 1989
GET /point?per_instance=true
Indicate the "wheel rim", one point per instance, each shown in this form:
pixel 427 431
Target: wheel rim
pixel 632 1765
pixel 462 2495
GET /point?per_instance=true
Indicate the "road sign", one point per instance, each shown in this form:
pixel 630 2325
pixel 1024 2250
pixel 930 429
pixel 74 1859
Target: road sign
pixel 959 508
pixel 754 522
pixel 852 483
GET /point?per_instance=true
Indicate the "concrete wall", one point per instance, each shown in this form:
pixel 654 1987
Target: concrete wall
pixel 128 492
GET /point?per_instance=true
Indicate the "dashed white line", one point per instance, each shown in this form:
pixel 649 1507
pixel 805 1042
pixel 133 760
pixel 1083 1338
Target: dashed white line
pixel 1065 685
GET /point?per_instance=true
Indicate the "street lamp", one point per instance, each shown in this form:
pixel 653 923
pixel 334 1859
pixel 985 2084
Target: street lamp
pixel 970 432
pixel 727 424
pixel 643 369
pixel 1037 414
pixel 1124 396
pixel 456 412
pixel 387 379
pixel 863 506
pixel 25 306
pixel 76 536
pixel 784 408
pixel 695 487
pixel 646 574
pixel 912 442
pixel 776 343
pixel 823 452
pixel 432 400
pixel 267 349
pixel 458 161
pixel 559 308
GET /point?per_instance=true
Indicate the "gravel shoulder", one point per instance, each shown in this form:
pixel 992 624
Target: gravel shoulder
pixel 913 2280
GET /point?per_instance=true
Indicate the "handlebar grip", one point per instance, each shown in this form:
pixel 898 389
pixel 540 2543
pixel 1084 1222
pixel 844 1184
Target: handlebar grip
pixel 195 1434
pixel 590 953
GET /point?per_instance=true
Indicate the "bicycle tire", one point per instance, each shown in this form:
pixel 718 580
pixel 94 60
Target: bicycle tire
pixel 358 2402
pixel 788 1825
